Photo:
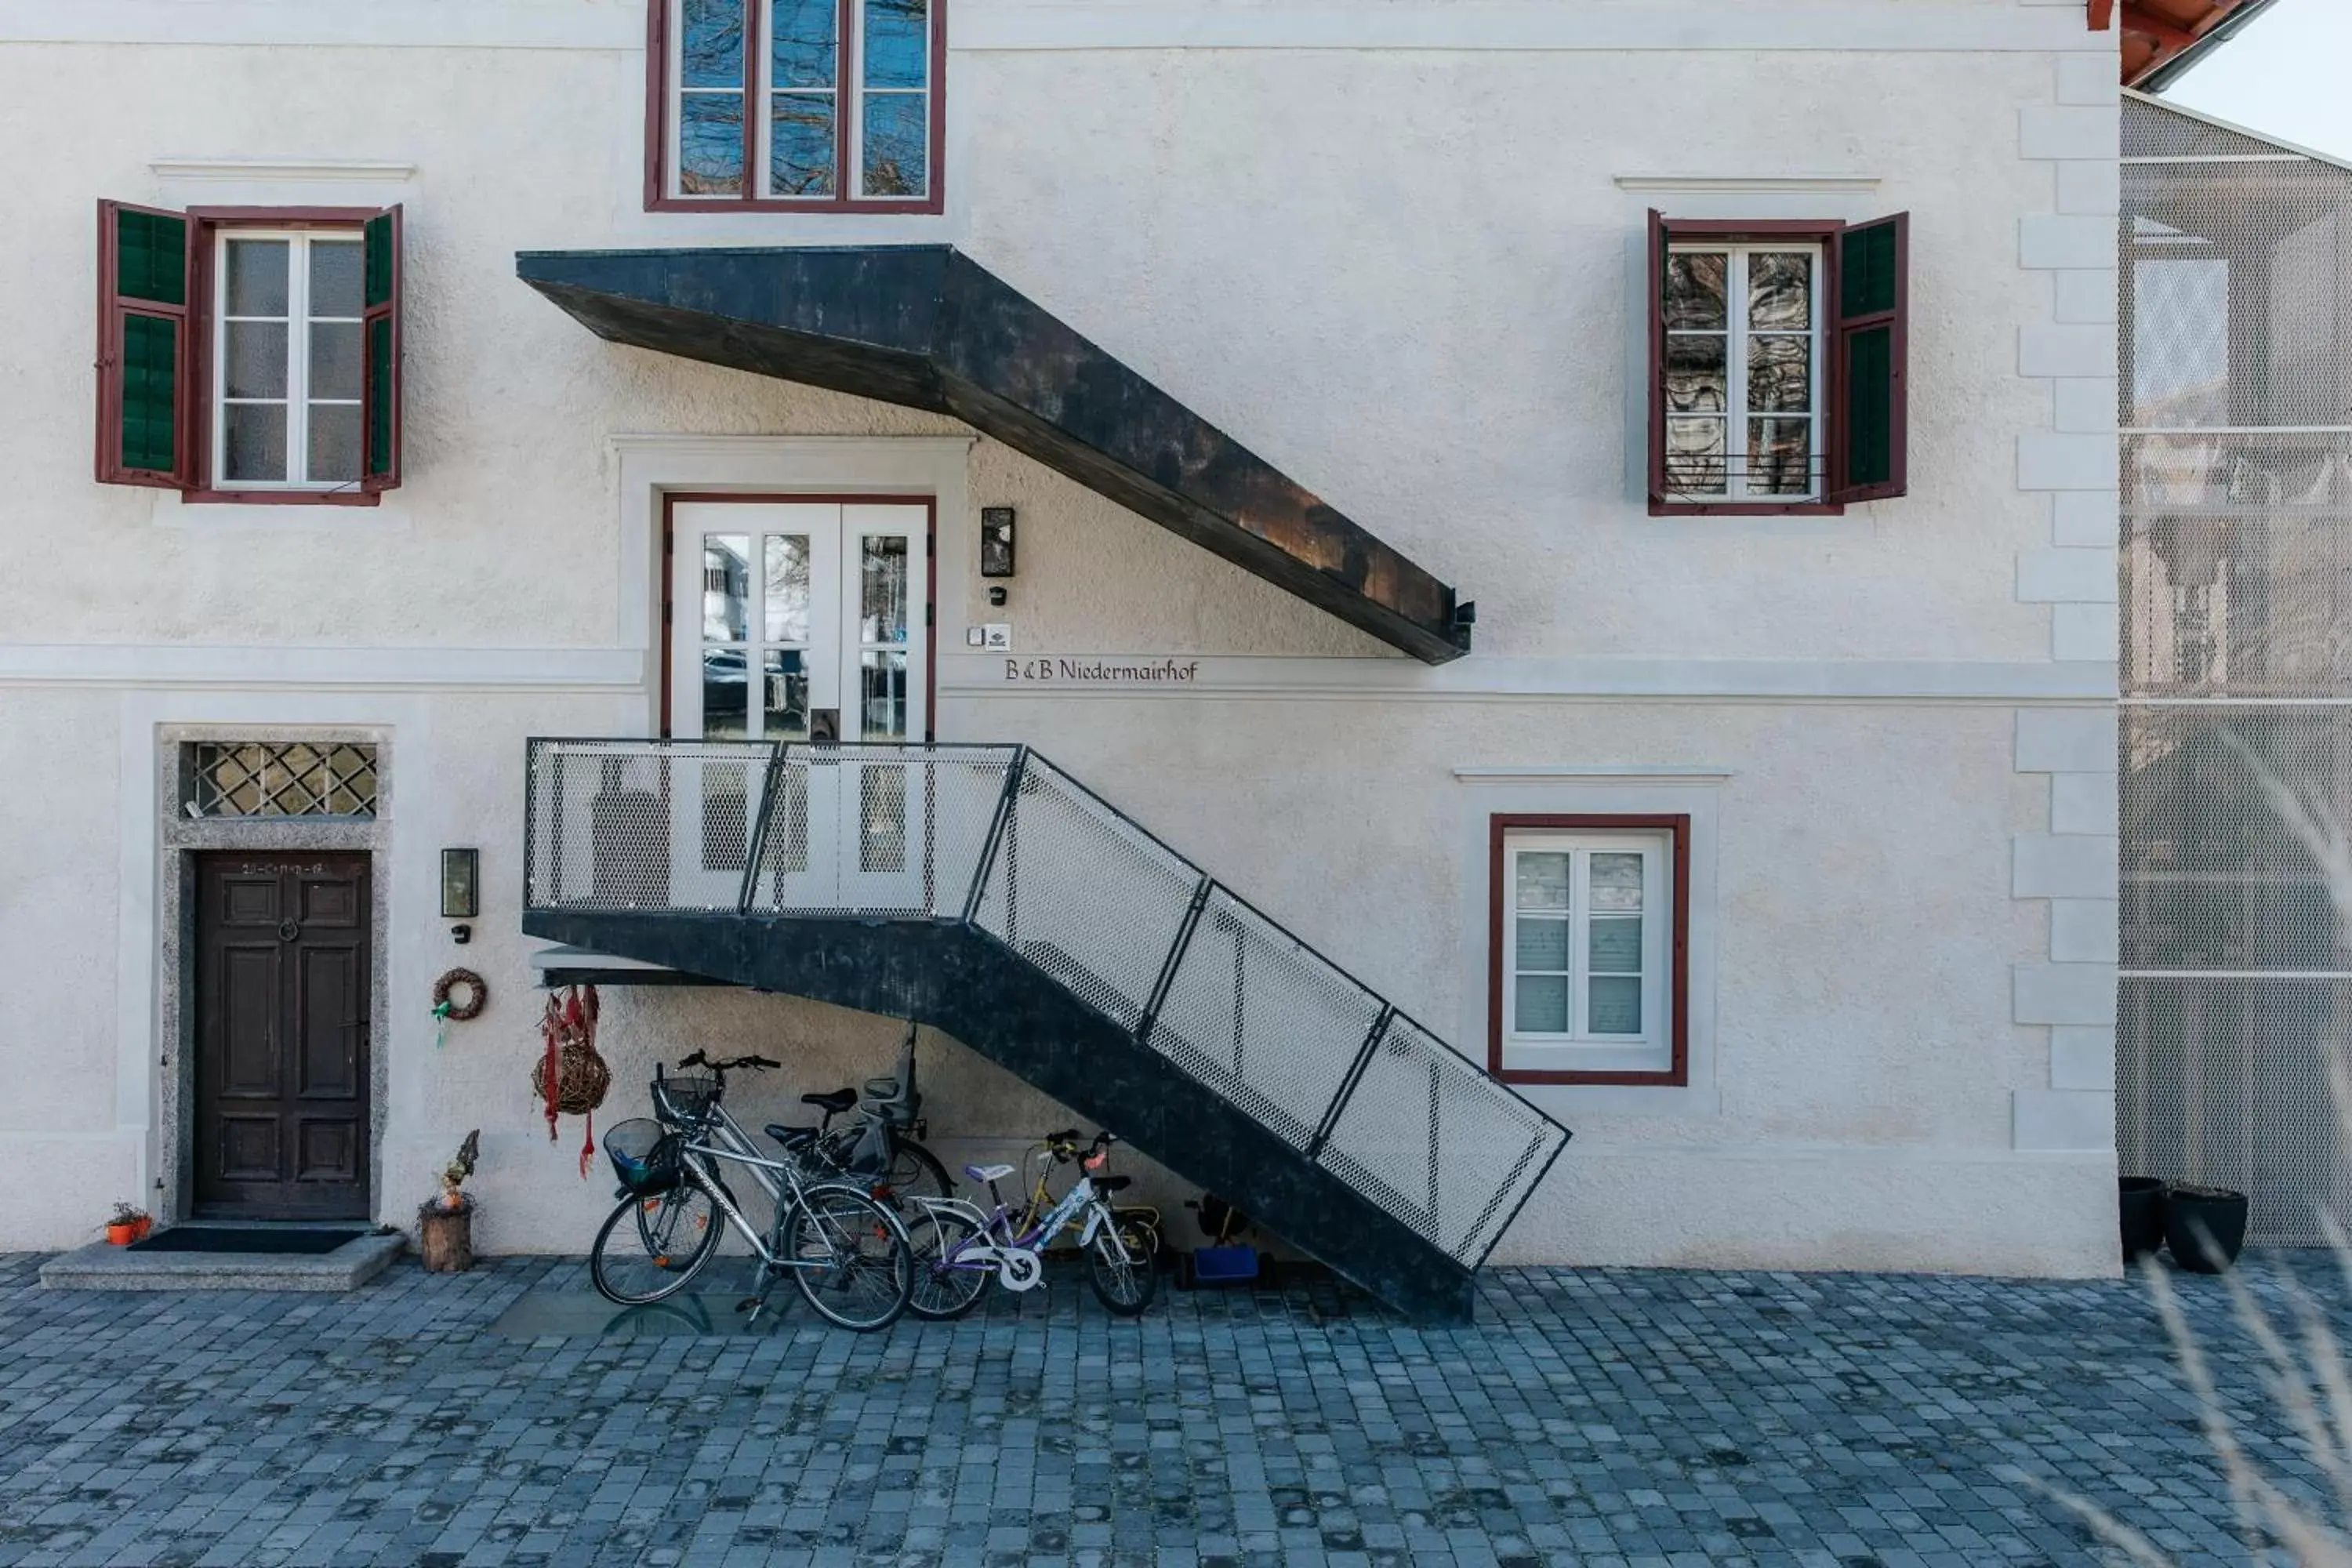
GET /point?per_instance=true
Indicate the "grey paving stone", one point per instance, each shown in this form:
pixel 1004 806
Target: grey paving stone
pixel 1591 1416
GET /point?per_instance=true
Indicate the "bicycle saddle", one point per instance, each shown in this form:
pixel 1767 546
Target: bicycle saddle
pixel 839 1100
pixel 790 1137
pixel 987 1173
pixel 1112 1184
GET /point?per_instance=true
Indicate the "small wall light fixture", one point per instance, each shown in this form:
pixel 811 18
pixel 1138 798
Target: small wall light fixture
pixel 996 541
pixel 461 889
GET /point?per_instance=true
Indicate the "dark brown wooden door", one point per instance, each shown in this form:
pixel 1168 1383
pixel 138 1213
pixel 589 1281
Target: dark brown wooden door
pixel 282 957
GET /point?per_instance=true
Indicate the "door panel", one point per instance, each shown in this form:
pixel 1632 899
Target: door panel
pixel 882 619
pixel 330 999
pixel 790 621
pixel 283 951
pixel 250 1054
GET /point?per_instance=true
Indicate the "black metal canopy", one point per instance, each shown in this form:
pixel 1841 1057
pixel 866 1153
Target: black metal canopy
pixel 927 327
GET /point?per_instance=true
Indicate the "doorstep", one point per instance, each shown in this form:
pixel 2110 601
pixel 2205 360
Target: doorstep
pixel 102 1266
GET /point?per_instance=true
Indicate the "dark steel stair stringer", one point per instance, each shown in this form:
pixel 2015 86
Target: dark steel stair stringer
pixel 962 980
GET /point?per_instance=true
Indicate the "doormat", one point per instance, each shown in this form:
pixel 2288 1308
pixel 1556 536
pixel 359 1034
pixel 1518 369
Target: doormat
pixel 245 1238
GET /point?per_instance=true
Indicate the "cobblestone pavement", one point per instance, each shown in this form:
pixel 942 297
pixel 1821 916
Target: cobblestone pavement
pixel 1600 1417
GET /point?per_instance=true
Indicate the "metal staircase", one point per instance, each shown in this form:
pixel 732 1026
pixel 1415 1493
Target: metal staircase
pixel 983 891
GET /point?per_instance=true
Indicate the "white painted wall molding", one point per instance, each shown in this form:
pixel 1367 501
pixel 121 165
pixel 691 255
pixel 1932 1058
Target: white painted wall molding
pixel 380 24
pixel 1675 771
pixel 1749 185
pixel 1750 27
pixel 967 675
pixel 150 664
pixel 2064 1121
pixel 308 170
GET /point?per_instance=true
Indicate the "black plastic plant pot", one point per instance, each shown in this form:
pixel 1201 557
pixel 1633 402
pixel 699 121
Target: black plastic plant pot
pixel 2205 1227
pixel 2139 1203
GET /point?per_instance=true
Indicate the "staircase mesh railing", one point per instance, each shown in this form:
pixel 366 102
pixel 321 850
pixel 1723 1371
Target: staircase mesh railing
pixel 997 837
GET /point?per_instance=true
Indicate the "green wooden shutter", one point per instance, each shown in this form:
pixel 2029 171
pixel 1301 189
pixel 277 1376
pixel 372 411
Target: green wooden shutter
pixel 1869 345
pixel 380 349
pixel 145 390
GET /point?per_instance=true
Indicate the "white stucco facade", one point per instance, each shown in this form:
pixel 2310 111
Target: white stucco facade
pixel 1397 251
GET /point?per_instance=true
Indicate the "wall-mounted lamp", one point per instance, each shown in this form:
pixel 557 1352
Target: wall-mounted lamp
pixel 996 541
pixel 461 890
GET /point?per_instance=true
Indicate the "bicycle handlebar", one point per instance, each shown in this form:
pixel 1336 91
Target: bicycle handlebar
pixel 1063 1144
pixel 699 1059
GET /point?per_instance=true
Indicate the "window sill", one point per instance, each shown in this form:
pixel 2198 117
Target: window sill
pixel 1746 509
pixel 283 498
pixel 1665 1078
pixel 835 206
pixel 1588 1061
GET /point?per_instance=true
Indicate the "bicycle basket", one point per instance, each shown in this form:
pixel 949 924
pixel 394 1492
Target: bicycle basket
pixel 686 1097
pixel 644 1156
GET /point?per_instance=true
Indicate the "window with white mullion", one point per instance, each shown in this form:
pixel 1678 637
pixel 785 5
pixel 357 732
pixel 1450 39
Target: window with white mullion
pixel 891 134
pixel 286 363
pixel 1585 941
pixel 1743 332
pixel 707 67
pixel 799 71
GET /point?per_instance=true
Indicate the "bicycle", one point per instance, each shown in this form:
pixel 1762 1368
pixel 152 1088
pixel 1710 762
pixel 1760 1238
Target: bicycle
pixel 853 1153
pixel 957 1245
pixel 882 1140
pixel 847 1253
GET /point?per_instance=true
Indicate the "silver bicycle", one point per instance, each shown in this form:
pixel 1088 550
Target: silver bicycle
pixel 847 1254
pixel 877 1151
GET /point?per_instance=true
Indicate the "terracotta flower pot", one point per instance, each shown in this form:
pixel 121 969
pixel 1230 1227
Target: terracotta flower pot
pixel 122 1235
pixel 145 1227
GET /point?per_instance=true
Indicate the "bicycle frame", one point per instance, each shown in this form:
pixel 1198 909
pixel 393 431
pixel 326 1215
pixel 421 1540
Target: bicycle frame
pixel 789 1194
pixel 991 1246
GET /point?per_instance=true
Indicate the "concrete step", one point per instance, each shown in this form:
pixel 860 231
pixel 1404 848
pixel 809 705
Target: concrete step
pixel 101 1266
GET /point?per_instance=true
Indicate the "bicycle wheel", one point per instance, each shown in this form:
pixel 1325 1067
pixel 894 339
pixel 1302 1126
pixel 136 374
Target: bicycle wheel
pixel 942 1290
pixel 666 1241
pixel 1119 1266
pixel 848 1258
pixel 915 1172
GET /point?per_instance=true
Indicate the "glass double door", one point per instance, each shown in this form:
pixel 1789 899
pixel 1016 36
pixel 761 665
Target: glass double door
pixel 801 622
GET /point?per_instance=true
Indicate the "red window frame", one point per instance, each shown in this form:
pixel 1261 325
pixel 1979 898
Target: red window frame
pixel 1677 827
pixel 1823 232
pixel 205 226
pixel 658 96
pixel 666 568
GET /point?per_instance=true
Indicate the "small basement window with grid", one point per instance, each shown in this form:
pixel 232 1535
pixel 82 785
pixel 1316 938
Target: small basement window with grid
pixel 281 778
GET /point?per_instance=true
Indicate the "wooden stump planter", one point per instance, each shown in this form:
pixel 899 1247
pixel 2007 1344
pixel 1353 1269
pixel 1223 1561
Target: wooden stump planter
pixel 446 1236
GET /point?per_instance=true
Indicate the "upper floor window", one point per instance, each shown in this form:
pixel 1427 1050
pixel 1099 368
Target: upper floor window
pixel 1776 364
pixel 251 353
pixel 794 105
pixel 286 378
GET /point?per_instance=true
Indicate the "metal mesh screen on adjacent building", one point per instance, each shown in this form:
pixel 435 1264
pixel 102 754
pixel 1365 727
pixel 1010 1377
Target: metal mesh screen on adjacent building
pixel 2236 751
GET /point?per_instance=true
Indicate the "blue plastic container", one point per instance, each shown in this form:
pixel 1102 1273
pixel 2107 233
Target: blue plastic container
pixel 1222 1265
